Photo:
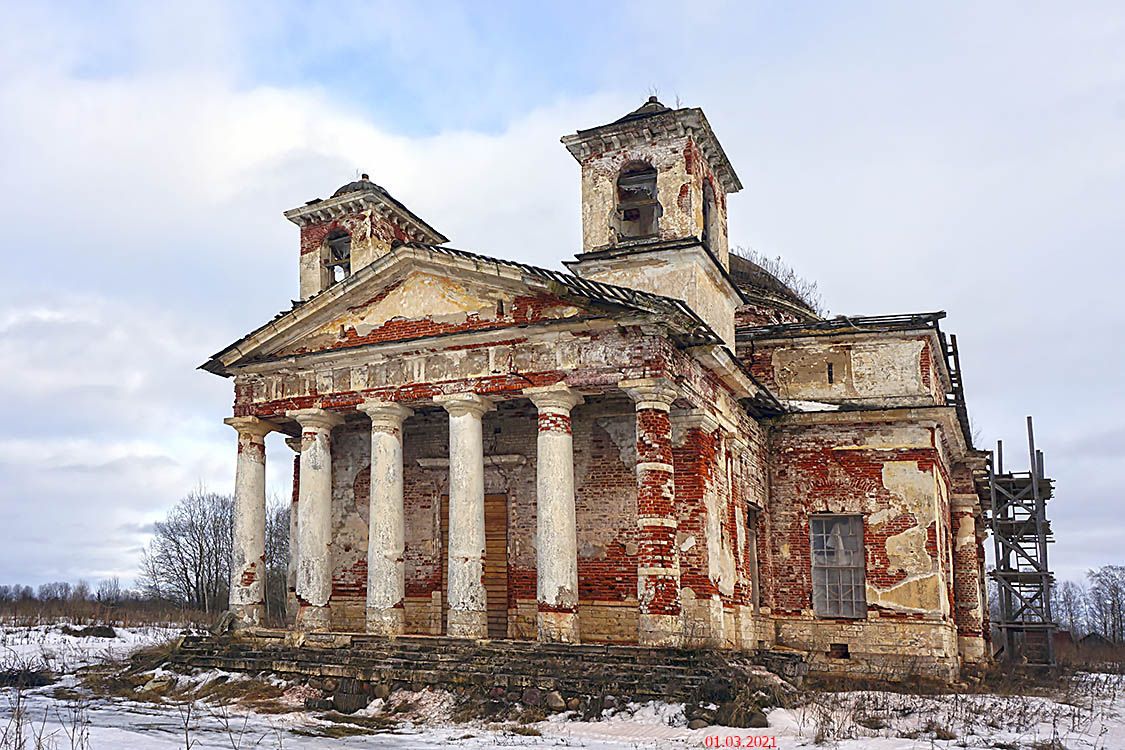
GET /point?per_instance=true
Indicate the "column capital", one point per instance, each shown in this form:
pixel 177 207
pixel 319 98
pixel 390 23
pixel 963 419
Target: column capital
pixel 251 426
pixel 557 397
pixel 460 404
pixel 651 393
pixel 687 419
pixel 316 419
pixel 959 502
pixel 684 420
pixel 385 414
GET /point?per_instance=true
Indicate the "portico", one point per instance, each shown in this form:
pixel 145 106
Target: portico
pixel 454 447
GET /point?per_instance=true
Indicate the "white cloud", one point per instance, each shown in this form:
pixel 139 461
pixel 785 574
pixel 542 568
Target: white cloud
pixel 975 167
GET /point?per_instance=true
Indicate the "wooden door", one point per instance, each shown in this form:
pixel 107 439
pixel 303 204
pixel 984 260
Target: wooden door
pixel 495 563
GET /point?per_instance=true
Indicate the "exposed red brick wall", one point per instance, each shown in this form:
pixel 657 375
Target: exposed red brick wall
pixel 966 583
pixel 809 475
pixel 552 422
pixel 524 310
pixel 357 225
pixel 696 471
pixel 655 490
pixel 351 490
pixel 606 503
pixel 296 479
pixel 759 358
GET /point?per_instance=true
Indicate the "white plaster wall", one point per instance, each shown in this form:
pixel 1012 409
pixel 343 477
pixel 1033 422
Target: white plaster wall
pixel 686 274
pixel 885 371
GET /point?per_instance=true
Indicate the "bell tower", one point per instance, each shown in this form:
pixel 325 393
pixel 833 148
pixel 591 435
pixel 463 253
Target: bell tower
pixel 353 228
pixel 654 209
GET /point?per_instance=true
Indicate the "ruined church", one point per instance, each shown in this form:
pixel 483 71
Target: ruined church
pixel 664 446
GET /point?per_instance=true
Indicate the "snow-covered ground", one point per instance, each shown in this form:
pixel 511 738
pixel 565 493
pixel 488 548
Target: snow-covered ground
pixel 1086 713
pixel 62 653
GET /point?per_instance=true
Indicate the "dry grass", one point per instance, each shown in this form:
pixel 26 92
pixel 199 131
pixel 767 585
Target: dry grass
pixel 1038 711
pixel 524 730
pixel 334 731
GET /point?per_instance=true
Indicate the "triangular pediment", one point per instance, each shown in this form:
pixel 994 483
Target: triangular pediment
pixel 426 302
pixel 415 292
pixel 419 291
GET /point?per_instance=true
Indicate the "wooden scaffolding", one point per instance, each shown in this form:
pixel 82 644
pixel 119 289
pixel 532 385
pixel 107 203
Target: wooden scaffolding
pixel 1021 533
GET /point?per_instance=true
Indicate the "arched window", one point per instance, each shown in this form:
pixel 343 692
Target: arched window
pixel 708 212
pixel 638 211
pixel 338 256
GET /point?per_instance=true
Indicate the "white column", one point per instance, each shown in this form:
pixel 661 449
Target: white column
pixel 386 582
pixel 248 551
pixel 556 538
pixel 314 523
pixel 468 604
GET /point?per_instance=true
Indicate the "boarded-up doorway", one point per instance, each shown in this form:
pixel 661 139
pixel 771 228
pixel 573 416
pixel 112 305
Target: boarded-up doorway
pixel 495 563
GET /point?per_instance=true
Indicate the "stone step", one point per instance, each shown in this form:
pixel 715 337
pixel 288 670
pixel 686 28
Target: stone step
pixel 386 653
pixel 666 672
pixel 539 650
pixel 586 669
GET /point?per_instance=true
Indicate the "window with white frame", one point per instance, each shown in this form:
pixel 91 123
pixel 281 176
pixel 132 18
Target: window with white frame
pixel 837 566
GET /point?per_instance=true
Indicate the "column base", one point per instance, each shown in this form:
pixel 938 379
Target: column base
pixel 704 624
pixel 660 630
pixel 461 623
pixel 557 627
pixel 387 622
pixel 972 649
pixel 248 615
pixel 312 619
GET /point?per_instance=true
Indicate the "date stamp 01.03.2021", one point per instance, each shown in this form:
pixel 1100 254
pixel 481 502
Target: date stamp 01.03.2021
pixel 740 740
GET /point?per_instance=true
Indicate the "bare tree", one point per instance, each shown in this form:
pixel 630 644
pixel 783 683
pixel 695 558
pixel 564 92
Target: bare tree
pixel 1105 605
pixel 109 592
pixel 277 558
pixel 54 591
pixel 1069 600
pixel 80 592
pixel 188 559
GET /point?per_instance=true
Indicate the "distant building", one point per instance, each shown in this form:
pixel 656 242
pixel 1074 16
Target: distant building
pixel 1094 642
pixel 667 446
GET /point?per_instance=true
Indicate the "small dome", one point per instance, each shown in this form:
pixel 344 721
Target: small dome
pixel 751 277
pixel 648 109
pixel 362 185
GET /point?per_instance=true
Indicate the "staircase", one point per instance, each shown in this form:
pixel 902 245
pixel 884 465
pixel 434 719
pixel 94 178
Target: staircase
pixel 639 673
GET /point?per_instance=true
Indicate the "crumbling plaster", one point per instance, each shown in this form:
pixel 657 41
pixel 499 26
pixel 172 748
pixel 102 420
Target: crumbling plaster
pixel 371 238
pixel 684 273
pixel 680 171
pixel 888 473
pixel 880 372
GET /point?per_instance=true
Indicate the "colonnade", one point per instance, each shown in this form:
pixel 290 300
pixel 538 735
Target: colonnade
pixel 556 536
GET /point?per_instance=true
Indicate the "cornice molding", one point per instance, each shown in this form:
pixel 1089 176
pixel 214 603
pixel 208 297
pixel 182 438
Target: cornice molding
pixel 351 203
pixel 678 123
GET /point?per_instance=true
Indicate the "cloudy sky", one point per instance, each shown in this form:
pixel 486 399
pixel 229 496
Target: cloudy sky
pixel 968 158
